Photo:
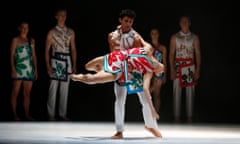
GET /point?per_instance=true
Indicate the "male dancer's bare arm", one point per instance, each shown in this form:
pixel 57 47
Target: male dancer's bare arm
pixel 111 42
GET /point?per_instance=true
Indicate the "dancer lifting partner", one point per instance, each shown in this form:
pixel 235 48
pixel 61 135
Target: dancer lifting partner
pixel 117 65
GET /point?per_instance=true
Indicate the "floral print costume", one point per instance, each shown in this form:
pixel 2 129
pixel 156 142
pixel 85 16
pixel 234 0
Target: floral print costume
pixel 23 62
pixel 118 62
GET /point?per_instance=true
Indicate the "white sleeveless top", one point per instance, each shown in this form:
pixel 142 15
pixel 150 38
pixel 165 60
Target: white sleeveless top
pixel 124 40
pixel 184 45
pixel 61 39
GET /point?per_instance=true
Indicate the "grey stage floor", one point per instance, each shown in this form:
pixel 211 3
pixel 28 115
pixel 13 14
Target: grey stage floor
pixel 100 132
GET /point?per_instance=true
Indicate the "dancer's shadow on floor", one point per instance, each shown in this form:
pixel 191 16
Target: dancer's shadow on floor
pixel 102 138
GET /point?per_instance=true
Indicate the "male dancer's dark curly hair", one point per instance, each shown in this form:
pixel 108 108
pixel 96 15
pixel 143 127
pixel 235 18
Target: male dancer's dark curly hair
pixel 127 12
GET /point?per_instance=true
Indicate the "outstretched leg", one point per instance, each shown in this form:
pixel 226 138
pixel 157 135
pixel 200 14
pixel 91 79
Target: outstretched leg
pixel 99 77
pixel 95 64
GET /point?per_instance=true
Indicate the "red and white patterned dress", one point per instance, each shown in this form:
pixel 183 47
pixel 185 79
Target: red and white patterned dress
pixel 117 62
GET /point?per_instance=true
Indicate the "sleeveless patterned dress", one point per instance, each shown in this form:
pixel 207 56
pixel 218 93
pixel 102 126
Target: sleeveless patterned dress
pixel 23 62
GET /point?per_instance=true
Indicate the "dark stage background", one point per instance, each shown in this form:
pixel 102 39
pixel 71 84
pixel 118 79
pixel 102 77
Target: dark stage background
pixel 216 99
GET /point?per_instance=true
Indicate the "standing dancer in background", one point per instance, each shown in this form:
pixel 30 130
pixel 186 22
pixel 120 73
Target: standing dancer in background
pixel 24 70
pixel 160 53
pixel 184 60
pixel 61 62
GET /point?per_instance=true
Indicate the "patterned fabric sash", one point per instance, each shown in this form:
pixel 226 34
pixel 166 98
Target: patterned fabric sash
pixel 131 64
pixel 60 65
pixel 123 62
pixel 185 69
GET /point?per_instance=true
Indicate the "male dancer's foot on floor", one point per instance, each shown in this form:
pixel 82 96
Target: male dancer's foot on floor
pixel 154 131
pixel 118 135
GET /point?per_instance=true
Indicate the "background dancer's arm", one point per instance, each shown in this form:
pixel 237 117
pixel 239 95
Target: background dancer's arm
pixel 198 57
pixel 73 53
pixel 172 57
pixel 34 57
pixel 12 60
pixel 47 51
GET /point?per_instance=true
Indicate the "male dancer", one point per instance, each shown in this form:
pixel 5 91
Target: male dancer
pixel 125 37
pixel 60 63
pixel 113 67
pixel 184 60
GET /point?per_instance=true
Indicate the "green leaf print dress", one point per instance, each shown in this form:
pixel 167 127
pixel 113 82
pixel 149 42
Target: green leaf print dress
pixel 23 62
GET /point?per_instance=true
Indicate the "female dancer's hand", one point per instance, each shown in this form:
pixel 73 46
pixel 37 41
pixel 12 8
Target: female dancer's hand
pixel 155 115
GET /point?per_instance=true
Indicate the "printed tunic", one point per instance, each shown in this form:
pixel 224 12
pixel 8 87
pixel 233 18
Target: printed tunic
pixel 184 61
pixel 61 60
pixel 123 40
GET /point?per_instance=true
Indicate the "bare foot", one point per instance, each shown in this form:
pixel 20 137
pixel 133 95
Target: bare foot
pixel 154 131
pixel 76 77
pixel 189 120
pixel 64 119
pixel 177 120
pixel 118 135
pixel 155 115
pixel 16 118
pixel 52 119
pixel 29 118
pixel 85 78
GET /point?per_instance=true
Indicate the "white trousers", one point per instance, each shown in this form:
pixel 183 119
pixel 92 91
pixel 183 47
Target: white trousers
pixel 177 98
pixel 121 94
pixel 63 97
